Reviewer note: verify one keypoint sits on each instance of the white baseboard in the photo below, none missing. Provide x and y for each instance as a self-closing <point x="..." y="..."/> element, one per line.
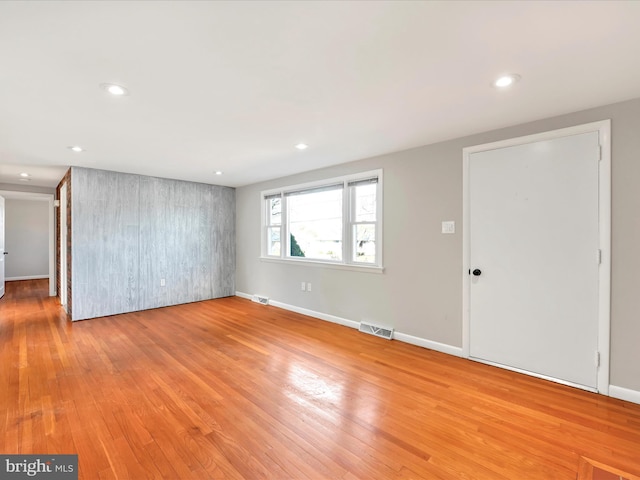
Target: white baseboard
<point x="430" y="344"/>
<point x="28" y="277"/>
<point x="624" y="394"/>
<point x="307" y="312"/>
<point x="314" y="314"/>
<point x="402" y="337"/>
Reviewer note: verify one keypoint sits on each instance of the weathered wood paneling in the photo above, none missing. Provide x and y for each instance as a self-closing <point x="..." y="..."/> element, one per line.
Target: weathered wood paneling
<point x="223" y="242"/>
<point x="179" y="232"/>
<point x="105" y="247"/>
<point x="175" y="220"/>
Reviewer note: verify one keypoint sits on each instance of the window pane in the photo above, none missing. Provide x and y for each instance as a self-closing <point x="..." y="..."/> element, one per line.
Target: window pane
<point x="274" y="211"/>
<point x="315" y="223"/>
<point x="364" y="250"/>
<point x="365" y="203"/>
<point x="273" y="241"/>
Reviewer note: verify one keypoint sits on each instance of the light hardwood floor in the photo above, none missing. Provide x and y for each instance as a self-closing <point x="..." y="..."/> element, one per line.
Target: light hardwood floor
<point x="229" y="389"/>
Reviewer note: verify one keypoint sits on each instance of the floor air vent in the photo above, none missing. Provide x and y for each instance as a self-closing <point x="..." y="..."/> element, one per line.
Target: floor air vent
<point x="382" y="332"/>
<point x="260" y="299"/>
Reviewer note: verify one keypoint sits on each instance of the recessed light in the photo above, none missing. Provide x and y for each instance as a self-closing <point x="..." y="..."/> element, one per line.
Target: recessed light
<point x="302" y="146"/>
<point x="25" y="179"/>
<point x="76" y="148"/>
<point x="218" y="172"/>
<point x="505" y="81"/>
<point x="25" y="175"/>
<point x="115" y="90"/>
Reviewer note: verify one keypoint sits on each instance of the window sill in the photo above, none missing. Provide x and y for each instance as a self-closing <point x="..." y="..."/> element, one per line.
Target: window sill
<point x="316" y="263"/>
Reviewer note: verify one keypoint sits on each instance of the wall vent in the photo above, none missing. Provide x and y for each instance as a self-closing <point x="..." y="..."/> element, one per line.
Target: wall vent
<point x="260" y="299"/>
<point x="383" y="332"/>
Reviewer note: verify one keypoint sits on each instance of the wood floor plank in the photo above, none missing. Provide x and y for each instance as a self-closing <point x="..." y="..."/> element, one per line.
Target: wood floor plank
<point x="232" y="390"/>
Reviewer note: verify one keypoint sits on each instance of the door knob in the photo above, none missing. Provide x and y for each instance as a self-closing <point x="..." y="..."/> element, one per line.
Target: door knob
<point x="477" y="272"/>
<point x="5" y="253"/>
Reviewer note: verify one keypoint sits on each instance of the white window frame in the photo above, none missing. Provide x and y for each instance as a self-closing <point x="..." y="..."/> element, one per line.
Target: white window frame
<point x="348" y="223"/>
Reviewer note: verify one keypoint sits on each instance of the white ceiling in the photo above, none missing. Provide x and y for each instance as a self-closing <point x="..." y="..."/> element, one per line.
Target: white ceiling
<point x="233" y="86"/>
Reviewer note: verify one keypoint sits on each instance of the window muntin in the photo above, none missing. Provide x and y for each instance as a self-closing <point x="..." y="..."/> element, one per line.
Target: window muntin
<point x="337" y="221"/>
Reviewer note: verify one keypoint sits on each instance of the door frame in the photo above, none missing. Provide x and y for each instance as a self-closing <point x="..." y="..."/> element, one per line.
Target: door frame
<point x="604" y="212"/>
<point x="62" y="226"/>
<point x="3" y="245"/>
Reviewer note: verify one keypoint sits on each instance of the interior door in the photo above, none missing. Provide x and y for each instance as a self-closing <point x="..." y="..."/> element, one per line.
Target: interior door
<point x="2" y="252"/>
<point x="533" y="256"/>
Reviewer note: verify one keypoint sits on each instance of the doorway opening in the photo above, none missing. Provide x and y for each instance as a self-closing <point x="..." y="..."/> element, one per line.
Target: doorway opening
<point x="49" y="199"/>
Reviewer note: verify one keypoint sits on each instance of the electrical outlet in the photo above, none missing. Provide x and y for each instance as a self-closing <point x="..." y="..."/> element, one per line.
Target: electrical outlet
<point x="162" y="282"/>
<point x="303" y="286"/>
<point x="309" y="287"/>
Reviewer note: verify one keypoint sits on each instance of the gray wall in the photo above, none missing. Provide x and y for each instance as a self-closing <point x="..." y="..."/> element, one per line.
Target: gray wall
<point x="131" y="231"/>
<point x="187" y="230"/>
<point x="26" y="239"/>
<point x="420" y="292"/>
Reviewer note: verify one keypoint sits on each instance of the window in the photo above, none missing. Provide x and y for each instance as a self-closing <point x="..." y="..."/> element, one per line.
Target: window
<point x="334" y="221"/>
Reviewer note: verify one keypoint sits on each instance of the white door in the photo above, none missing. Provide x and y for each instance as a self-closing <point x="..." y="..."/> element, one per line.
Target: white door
<point x="534" y="257"/>
<point x="2" y="252"/>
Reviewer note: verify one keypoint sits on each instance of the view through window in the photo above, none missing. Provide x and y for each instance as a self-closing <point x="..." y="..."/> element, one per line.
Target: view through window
<point x="336" y="221"/>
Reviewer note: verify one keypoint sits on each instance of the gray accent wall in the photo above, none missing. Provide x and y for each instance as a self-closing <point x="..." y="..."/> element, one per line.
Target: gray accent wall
<point x="420" y="291"/>
<point x="181" y="227"/>
<point x="129" y="232"/>
<point x="104" y="242"/>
